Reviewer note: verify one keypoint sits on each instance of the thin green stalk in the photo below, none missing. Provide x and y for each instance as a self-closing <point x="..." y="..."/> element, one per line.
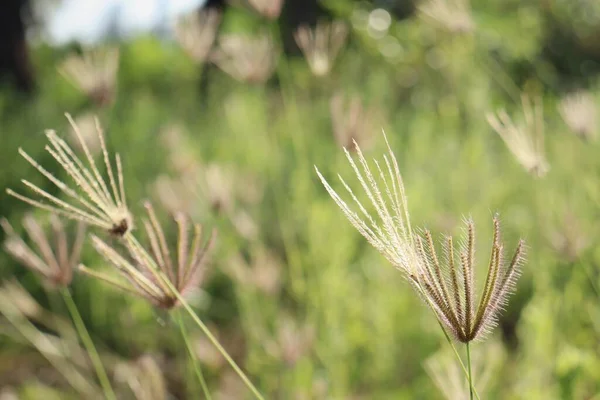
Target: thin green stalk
<point x="197" y="368"/>
<point x="458" y="358"/>
<point x="89" y="345"/>
<point x="470" y="373"/>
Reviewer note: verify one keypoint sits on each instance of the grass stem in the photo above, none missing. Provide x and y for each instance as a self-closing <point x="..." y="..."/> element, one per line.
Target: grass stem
<point x="89" y="345"/>
<point x="470" y="373"/>
<point x="197" y="368"/>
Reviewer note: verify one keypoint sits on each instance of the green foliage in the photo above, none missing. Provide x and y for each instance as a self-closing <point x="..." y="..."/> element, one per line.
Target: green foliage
<point x="371" y="334"/>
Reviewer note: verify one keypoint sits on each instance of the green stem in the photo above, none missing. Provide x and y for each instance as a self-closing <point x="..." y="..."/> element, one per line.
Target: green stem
<point x="89" y="345"/>
<point x="458" y="358"/>
<point x="470" y="373"/>
<point x="197" y="368"/>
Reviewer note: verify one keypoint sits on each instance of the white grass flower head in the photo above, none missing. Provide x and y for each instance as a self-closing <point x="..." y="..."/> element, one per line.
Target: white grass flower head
<point x="578" y="110"/>
<point x="526" y="139"/>
<point x="94" y="72"/>
<point x="453" y="16"/>
<point x="350" y="120"/>
<point x="390" y="232"/>
<point x="144" y="378"/>
<point x="53" y="260"/>
<point x="270" y="9"/>
<point x="246" y="59"/>
<point x="196" y="33"/>
<point x="92" y="201"/>
<point x="321" y="44"/>
<point x="144" y="271"/>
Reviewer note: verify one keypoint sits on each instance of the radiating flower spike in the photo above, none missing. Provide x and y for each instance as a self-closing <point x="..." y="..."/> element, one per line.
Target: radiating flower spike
<point x="321" y="45"/>
<point x="145" y="269"/>
<point x="524" y="140"/>
<point x="93" y="201"/>
<point x="450" y="289"/>
<point x="578" y="110"/>
<point x="53" y="260"/>
<point x="196" y="33"/>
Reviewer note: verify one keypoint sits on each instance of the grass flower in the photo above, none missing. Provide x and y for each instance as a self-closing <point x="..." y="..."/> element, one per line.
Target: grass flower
<point x="144" y="378"/>
<point x="292" y="341"/>
<point x="263" y="272"/>
<point x="246" y="59"/>
<point x="94" y="73"/>
<point x="142" y="268"/>
<point x="321" y="45"/>
<point x="452" y="15"/>
<point x="525" y="140"/>
<point x="92" y="202"/>
<point x="270" y="9"/>
<point x="86" y="127"/>
<point x="450" y="288"/>
<point x="392" y="236"/>
<point x="578" y="110"/>
<point x="350" y="121"/>
<point x="196" y="33"/>
<point x="54" y="262"/>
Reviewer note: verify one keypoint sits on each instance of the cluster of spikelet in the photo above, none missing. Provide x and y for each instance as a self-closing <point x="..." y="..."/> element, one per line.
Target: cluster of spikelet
<point x="447" y="287"/>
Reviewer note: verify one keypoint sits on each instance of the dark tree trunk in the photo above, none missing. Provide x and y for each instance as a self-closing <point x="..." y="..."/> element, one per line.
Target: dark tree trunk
<point x="15" y="65"/>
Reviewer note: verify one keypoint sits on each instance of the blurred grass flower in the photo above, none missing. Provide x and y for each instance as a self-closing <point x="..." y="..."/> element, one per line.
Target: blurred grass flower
<point x="54" y="262"/>
<point x="102" y="208"/>
<point x="321" y="44"/>
<point x="578" y="110"/>
<point x="350" y="121"/>
<point x="292" y="341"/>
<point x="453" y="16"/>
<point x="94" y="73"/>
<point x="263" y="272"/>
<point x="196" y="33"/>
<point x="246" y="59"/>
<point x="144" y="378"/>
<point x="526" y="139"/>
<point x="270" y="9"/>
<point x="142" y="270"/>
<point x="86" y="127"/>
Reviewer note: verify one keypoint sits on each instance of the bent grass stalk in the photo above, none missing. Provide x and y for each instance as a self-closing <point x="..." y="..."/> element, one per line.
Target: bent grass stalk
<point x="193" y="361"/>
<point x="89" y="345"/>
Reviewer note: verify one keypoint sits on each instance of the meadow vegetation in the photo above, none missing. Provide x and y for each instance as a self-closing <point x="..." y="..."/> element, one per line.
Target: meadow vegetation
<point x="490" y="108"/>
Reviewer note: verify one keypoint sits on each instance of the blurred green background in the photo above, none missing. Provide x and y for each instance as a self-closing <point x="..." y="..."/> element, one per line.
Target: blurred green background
<point x="294" y="293"/>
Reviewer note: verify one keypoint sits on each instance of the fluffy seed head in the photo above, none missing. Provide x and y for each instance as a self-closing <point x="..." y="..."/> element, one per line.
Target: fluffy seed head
<point x="196" y="33"/>
<point x="578" y="110"/>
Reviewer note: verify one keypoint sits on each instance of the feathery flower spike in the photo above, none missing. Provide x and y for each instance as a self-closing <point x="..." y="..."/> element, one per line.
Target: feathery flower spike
<point x="267" y="8"/>
<point x="92" y="202"/>
<point x="143" y="268"/>
<point x="94" y="73"/>
<point x="392" y="234"/>
<point x="526" y="140"/>
<point x="350" y="121"/>
<point x="53" y="262"/>
<point x="578" y="110"/>
<point x="246" y="59"/>
<point x="196" y="33"/>
<point x="451" y="15"/>
<point x="449" y="285"/>
<point x="321" y="45"/>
